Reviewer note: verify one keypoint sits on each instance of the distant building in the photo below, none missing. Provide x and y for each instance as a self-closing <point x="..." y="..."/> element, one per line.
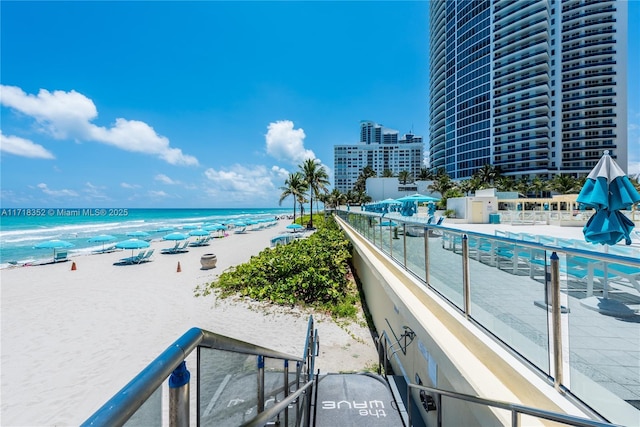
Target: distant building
<point x="536" y="87"/>
<point x="379" y="148"/>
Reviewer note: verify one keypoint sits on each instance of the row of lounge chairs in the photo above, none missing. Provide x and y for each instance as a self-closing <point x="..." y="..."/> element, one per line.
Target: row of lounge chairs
<point x="143" y="256"/>
<point x="201" y="242"/>
<point x="177" y="249"/>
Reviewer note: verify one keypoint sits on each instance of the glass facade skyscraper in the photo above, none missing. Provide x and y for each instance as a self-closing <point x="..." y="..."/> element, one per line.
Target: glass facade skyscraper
<point x="536" y="87"/>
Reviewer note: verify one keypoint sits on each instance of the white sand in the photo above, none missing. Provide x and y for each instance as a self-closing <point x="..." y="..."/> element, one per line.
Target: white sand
<point x="71" y="339"/>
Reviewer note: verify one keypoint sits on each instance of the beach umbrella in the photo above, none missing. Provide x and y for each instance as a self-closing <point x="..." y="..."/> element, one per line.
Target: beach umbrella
<point x="199" y="232"/>
<point x="164" y="229"/>
<point x="102" y="238"/>
<point x="190" y="227"/>
<point x="54" y="244"/>
<point x="294" y="227"/>
<point x="175" y="236"/>
<point x="418" y="198"/>
<point x="608" y="190"/>
<point x="132" y="244"/>
<point x="137" y="234"/>
<point x="214" y="227"/>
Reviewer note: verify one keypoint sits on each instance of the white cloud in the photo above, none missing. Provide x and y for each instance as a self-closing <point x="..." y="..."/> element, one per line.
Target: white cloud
<point x="68" y="115"/>
<point x="253" y="181"/>
<point x="56" y="193"/>
<point x="158" y="194"/>
<point x="165" y="179"/>
<point x="286" y="143"/>
<point x="95" y="192"/>
<point x="23" y="147"/>
<point x="129" y="186"/>
<point x="281" y="173"/>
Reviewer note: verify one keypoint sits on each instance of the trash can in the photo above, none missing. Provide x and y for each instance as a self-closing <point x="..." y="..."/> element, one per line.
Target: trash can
<point x="494" y="218"/>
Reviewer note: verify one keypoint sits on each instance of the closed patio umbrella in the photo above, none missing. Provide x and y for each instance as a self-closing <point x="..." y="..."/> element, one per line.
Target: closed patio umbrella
<point x="608" y="190"/>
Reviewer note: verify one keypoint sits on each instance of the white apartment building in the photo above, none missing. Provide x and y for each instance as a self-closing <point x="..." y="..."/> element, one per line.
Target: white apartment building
<point x="379" y="148"/>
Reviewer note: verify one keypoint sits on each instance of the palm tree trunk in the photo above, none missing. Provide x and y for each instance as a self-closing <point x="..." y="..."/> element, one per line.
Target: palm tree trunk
<point x="311" y="208"/>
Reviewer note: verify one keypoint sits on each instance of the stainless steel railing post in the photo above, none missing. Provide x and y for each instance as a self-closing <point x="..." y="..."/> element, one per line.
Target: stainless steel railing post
<point x="466" y="287"/>
<point x="260" y="384"/>
<point x="404" y="243"/>
<point x="556" y="320"/>
<point x="179" y="396"/>
<point x="426" y="255"/>
<point x="286" y="391"/>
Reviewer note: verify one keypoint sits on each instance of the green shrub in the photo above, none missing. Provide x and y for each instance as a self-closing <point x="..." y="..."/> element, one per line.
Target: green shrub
<point x="308" y="272"/>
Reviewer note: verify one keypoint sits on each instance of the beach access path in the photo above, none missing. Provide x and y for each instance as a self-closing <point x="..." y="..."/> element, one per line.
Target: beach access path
<point x="73" y="338"/>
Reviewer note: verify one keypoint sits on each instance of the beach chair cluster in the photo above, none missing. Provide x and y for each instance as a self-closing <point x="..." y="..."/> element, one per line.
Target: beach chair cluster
<point x="143" y="256"/>
<point x="178" y="248"/>
<point x="201" y="242"/>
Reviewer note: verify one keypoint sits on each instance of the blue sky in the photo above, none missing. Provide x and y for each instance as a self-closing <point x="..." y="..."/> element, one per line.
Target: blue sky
<point x="204" y="104"/>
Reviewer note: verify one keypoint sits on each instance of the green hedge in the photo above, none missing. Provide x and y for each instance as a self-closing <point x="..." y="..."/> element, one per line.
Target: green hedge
<point x="309" y="272"/>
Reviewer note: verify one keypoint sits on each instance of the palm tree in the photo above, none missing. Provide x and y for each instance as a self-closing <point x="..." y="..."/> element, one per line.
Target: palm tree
<point x="523" y="185"/>
<point x="333" y="199"/>
<point x="361" y="182"/>
<point x="293" y="186"/>
<point x="441" y="183"/>
<point x="404" y="177"/>
<point x="505" y="183"/>
<point x="487" y="174"/>
<point x="387" y="173"/>
<point x="538" y="186"/>
<point x="425" y="175"/>
<point x="564" y="184"/>
<point x="317" y="180"/>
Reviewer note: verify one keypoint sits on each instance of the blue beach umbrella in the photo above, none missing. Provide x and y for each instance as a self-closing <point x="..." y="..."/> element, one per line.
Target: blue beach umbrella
<point x="132" y="244"/>
<point x="608" y="190"/>
<point x="137" y="234"/>
<point x="102" y="238"/>
<point x="214" y="227"/>
<point x="54" y="244"/>
<point x="164" y="229"/>
<point x="190" y="227"/>
<point x="294" y="227"/>
<point x="199" y="232"/>
<point x="175" y="236"/>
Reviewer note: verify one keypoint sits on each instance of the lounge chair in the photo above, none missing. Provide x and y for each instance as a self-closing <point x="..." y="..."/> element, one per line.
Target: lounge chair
<point x="132" y="259"/>
<point x="60" y="257"/>
<point x="201" y="242"/>
<point x="146" y="257"/>
<point x="177" y="249"/>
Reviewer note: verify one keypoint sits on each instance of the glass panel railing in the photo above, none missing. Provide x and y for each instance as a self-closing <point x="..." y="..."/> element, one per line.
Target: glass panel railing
<point x="227" y="387"/>
<point x="414" y="240"/>
<point x="603" y="335"/>
<point x="510" y="296"/>
<point x="510" y="301"/>
<point x="445" y="266"/>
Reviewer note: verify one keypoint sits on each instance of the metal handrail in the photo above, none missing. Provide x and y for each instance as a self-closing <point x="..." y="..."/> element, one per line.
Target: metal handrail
<point x="117" y="410"/>
<point x="515" y="408"/>
<point x="262" y="418"/>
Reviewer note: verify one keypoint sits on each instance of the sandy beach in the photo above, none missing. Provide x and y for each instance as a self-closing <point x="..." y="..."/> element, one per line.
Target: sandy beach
<point x="71" y="339"/>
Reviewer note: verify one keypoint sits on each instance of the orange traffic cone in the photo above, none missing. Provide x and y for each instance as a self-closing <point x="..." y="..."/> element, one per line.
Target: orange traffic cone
<point x="73" y="266"/>
<point x="179" y="269"/>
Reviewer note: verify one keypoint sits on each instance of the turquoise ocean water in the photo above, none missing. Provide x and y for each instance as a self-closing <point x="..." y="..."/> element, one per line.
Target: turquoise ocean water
<point x="22" y="229"/>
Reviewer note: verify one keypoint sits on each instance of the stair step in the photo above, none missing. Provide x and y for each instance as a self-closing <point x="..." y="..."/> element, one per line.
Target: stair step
<point x="355" y="400"/>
